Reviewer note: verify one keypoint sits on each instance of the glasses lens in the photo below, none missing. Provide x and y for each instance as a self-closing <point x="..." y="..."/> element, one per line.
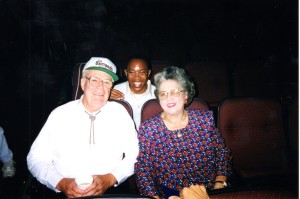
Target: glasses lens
<point x="94" y="81"/>
<point x="139" y="73"/>
<point x="107" y="83"/>
<point x="173" y="93"/>
<point x="163" y="95"/>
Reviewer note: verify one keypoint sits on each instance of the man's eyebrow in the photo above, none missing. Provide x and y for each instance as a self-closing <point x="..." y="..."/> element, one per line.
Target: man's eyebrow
<point x="137" y="70"/>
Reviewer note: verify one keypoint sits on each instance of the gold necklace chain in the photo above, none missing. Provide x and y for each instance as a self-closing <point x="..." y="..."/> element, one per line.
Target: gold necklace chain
<point x="175" y="125"/>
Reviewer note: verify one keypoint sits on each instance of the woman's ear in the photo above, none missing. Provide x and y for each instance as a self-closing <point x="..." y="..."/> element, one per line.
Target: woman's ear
<point x="186" y="97"/>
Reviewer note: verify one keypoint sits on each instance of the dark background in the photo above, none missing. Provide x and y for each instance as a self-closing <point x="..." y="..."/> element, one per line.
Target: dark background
<point x="42" y="41"/>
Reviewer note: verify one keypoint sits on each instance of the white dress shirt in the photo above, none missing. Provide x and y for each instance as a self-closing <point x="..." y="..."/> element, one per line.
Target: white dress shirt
<point x="136" y="100"/>
<point x="66" y="147"/>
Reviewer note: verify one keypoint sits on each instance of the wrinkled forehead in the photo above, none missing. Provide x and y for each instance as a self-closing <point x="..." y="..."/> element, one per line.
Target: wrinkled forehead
<point x="96" y="73"/>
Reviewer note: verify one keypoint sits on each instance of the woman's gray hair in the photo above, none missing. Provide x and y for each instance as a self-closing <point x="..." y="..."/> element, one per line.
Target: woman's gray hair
<point x="179" y="75"/>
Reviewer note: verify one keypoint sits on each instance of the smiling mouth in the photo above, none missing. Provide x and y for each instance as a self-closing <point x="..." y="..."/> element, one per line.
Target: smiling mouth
<point x="170" y="105"/>
<point x="137" y="84"/>
<point x="98" y="94"/>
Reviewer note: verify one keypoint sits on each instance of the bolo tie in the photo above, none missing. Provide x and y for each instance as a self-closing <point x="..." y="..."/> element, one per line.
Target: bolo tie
<point x="92" y="130"/>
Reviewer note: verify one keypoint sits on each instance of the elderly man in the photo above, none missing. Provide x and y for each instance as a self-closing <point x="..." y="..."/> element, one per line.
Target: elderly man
<point x="87" y="137"/>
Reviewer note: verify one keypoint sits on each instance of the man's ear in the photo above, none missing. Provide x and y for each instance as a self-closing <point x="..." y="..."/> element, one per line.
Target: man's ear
<point x="82" y="83"/>
<point x="149" y="73"/>
<point x="125" y="71"/>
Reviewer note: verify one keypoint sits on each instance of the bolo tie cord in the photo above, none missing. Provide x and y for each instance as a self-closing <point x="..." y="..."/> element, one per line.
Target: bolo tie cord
<point x="92" y="130"/>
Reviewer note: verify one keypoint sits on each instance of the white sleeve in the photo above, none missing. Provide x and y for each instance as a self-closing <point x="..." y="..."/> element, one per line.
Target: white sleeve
<point x="39" y="158"/>
<point x="130" y="147"/>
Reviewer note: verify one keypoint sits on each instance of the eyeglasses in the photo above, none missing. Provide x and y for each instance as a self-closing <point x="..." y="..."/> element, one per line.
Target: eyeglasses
<point x="173" y="93"/>
<point x="139" y="73"/>
<point x="95" y="81"/>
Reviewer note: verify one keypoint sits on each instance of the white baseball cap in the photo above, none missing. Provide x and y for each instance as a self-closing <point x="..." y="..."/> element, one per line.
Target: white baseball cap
<point x="103" y="64"/>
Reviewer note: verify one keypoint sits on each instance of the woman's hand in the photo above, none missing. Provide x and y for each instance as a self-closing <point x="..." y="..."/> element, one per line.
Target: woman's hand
<point x="192" y="192"/>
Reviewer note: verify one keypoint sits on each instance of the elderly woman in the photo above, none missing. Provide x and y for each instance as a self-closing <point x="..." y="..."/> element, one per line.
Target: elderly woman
<point x="179" y="147"/>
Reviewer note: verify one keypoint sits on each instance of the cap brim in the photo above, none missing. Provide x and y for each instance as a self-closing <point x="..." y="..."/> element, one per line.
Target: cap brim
<point x="112" y="74"/>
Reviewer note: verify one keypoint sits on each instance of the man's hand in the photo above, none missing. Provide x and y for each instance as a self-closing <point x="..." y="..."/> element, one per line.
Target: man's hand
<point x="116" y="94"/>
<point x="100" y="184"/>
<point x="69" y="187"/>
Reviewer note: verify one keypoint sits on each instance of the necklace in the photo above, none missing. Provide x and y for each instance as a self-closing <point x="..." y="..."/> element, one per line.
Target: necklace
<point x="177" y="124"/>
<point x="179" y="134"/>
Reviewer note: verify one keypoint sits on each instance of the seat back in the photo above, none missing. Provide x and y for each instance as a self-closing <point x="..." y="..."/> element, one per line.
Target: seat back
<point x="152" y="107"/>
<point x="253" y="130"/>
<point x="158" y="66"/>
<point x="211" y="80"/>
<point x="77" y="74"/>
<point x="246" y="79"/>
<point x="126" y="105"/>
<point x="294" y="124"/>
<point x="77" y="91"/>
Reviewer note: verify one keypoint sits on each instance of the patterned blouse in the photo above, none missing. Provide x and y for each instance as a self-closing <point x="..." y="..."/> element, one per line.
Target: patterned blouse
<point x="175" y="159"/>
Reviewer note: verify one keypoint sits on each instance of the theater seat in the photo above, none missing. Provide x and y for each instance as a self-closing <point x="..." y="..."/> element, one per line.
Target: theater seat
<point x="152" y="107"/>
<point x="254" y="194"/>
<point x="211" y="80"/>
<point x="158" y="66"/>
<point x="253" y="130"/>
<point x="77" y="74"/>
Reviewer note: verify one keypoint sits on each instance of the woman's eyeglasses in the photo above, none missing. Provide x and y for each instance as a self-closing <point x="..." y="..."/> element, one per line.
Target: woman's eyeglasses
<point x="172" y="93"/>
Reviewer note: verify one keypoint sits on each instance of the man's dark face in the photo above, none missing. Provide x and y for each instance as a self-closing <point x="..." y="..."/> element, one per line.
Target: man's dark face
<point x="137" y="74"/>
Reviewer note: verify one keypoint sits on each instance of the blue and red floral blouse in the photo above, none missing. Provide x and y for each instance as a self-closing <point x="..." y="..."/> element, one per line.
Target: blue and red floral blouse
<point x="175" y="159"/>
